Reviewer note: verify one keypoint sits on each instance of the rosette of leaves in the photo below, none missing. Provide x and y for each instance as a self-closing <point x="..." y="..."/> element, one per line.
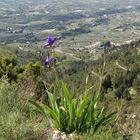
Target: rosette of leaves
<point x="71" y="114"/>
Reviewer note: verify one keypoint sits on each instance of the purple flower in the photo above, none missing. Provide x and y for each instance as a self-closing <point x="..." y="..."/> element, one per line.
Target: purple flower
<point x="50" y="41"/>
<point x="49" y="60"/>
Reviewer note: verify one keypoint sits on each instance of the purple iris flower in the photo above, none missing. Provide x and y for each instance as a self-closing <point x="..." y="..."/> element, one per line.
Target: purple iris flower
<point x="50" y="41"/>
<point x="49" y="60"/>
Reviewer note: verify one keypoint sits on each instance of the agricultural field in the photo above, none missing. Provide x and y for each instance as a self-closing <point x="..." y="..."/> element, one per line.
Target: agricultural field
<point x="75" y="23"/>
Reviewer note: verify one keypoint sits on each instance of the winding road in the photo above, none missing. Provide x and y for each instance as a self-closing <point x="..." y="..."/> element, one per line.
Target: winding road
<point x="67" y="54"/>
<point x="117" y="63"/>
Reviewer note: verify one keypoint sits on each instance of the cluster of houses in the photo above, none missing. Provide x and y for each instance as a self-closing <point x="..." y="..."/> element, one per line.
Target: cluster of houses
<point x="38" y="9"/>
<point x="99" y="48"/>
<point x="14" y="31"/>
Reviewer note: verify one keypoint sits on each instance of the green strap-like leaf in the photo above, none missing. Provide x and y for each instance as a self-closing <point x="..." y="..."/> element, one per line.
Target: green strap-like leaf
<point x="82" y="106"/>
<point x="104" y="121"/>
<point x="37" y="105"/>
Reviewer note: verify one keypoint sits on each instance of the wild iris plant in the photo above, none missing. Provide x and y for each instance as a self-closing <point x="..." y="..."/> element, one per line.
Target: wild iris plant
<point x="71" y="114"/>
<point x="50" y="58"/>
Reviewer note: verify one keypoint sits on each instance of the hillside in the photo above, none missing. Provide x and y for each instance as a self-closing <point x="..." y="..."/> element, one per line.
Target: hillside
<point x="120" y="86"/>
<point x="69" y="70"/>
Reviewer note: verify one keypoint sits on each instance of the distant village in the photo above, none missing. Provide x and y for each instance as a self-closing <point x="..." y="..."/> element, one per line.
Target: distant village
<point x="99" y="48"/>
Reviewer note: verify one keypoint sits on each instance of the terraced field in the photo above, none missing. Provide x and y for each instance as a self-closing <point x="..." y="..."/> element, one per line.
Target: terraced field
<point x="76" y="23"/>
